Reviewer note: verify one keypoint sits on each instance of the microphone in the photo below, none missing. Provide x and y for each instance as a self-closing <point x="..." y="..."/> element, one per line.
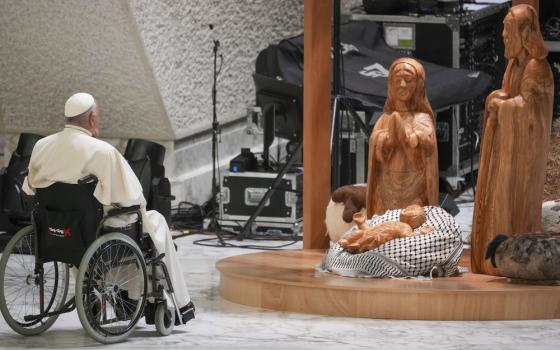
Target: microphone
<point x="216" y="42"/>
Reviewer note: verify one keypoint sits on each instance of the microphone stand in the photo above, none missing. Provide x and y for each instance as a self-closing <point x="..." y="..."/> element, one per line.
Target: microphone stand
<point x="215" y="132"/>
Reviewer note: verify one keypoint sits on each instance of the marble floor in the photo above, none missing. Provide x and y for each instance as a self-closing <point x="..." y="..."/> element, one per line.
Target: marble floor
<point x="224" y="325"/>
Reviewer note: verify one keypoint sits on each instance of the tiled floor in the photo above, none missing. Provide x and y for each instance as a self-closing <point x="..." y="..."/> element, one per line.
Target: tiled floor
<point x="224" y="325"/>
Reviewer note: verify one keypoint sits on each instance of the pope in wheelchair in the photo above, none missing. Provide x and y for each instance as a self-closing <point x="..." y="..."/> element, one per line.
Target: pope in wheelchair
<point x="90" y="215"/>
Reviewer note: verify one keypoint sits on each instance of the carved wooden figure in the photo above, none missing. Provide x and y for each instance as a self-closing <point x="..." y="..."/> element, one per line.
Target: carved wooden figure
<point x="516" y="139"/>
<point x="345" y="202"/>
<point x="526" y="257"/>
<point x="403" y="166"/>
<point x="413" y="215"/>
<point x="370" y="237"/>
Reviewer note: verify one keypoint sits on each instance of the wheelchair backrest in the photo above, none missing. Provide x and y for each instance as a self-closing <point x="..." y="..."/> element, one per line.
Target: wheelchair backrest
<point x="67" y="220"/>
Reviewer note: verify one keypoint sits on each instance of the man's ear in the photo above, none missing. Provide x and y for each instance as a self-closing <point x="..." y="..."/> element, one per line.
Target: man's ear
<point x="90" y="120"/>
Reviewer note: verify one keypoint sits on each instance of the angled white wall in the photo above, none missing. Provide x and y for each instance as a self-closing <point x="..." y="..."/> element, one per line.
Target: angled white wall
<point x="51" y="49"/>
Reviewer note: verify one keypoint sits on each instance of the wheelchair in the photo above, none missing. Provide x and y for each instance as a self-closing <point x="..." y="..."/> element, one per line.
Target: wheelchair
<point x="118" y="270"/>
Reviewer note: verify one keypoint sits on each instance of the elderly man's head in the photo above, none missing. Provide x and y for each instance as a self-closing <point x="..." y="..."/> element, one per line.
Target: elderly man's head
<point x="82" y="110"/>
<point x="522" y="33"/>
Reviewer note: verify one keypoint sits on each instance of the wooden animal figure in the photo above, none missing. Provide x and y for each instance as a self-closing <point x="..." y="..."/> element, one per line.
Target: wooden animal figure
<point x="531" y="257"/>
<point x="345" y="202"/>
<point x="516" y="139"/>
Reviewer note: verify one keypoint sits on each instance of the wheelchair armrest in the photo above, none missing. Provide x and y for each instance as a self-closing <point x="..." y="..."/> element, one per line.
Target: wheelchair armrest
<point x="87" y="179"/>
<point x="124" y="210"/>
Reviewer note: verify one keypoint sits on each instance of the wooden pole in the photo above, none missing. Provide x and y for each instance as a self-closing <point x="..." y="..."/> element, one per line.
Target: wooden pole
<point x="316" y="121"/>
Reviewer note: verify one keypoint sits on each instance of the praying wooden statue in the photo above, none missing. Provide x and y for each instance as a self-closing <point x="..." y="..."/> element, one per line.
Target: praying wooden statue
<point x="516" y="139"/>
<point x="403" y="165"/>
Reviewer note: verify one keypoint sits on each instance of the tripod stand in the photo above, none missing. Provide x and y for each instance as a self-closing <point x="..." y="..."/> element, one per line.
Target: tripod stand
<point x="213" y="201"/>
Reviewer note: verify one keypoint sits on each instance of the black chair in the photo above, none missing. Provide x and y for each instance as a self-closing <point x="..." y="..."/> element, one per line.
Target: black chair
<point x="16" y="205"/>
<point x="140" y="149"/>
<point x="146" y="160"/>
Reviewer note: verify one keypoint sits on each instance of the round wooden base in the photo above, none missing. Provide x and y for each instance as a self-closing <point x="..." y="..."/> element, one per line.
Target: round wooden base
<point x="287" y="281"/>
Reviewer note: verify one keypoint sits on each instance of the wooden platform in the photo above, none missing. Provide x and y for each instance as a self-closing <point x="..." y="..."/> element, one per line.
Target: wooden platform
<point x="287" y="281"/>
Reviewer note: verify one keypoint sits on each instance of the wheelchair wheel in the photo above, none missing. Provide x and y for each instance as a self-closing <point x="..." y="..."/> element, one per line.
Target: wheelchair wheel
<point x="20" y="286"/>
<point x="112" y="268"/>
<point x="164" y="319"/>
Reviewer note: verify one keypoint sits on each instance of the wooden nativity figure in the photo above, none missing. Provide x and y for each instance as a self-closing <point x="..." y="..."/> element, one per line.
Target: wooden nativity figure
<point x="403" y="165"/>
<point x="516" y="139"/>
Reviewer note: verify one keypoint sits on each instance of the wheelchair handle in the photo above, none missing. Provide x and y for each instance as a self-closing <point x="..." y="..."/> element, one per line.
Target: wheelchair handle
<point x="88" y="179"/>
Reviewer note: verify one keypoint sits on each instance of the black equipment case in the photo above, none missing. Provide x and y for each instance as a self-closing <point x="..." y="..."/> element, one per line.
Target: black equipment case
<point x="242" y="192"/>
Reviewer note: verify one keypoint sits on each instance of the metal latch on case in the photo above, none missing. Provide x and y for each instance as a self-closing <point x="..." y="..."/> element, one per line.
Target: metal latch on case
<point x="254" y="195"/>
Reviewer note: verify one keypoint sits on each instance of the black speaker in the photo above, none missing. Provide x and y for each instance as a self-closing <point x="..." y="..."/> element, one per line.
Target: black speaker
<point x="385" y="7"/>
<point x="16" y="203"/>
<point x="139" y="150"/>
<point x="161" y="197"/>
<point x="146" y="160"/>
<point x="422" y="6"/>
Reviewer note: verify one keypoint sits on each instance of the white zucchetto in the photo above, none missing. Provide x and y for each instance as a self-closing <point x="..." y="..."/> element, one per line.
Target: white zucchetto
<point x="77" y="104"/>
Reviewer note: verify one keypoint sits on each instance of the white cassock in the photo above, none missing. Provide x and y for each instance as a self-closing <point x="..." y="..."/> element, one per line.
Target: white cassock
<point x="72" y="154"/>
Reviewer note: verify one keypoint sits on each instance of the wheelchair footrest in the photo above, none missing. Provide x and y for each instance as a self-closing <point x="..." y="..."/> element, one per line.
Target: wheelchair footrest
<point x="186" y="313"/>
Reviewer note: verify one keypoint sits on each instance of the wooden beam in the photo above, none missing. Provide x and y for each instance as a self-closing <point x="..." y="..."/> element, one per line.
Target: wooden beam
<point x="316" y="121"/>
<point x="534" y="3"/>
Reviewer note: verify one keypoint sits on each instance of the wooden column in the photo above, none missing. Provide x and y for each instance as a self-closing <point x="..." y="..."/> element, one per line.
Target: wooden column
<point x="534" y="3"/>
<point x="316" y="121"/>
